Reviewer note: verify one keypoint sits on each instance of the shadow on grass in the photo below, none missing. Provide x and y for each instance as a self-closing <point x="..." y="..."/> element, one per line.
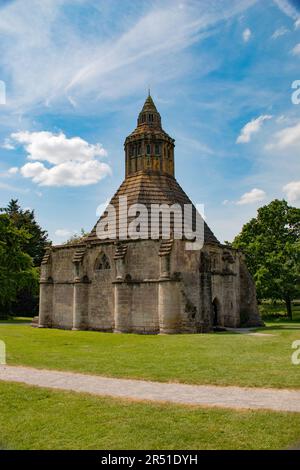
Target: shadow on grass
<point x="288" y="326"/>
<point x="16" y="320"/>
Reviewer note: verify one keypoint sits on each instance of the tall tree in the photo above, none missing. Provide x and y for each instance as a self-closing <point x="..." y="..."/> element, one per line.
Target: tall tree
<point x="16" y="267"/>
<point x="271" y="243"/>
<point x="26" y="301"/>
<point x="25" y="219"/>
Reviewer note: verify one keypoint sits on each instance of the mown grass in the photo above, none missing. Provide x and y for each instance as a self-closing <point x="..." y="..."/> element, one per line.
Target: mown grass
<point x="217" y="358"/>
<point x="33" y="418"/>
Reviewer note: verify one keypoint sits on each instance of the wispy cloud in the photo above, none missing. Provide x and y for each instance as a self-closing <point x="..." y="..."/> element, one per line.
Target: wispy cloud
<point x="251" y="128"/>
<point x="45" y="69"/>
<point x="15" y="189"/>
<point x="296" y="50"/>
<point x="282" y="31"/>
<point x="247" y="34"/>
<point x="286" y="139"/>
<point x="289" y="7"/>
<point x="253" y="196"/>
<point x="64" y="232"/>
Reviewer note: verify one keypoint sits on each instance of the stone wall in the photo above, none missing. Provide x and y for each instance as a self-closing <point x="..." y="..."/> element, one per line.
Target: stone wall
<point x="146" y="287"/>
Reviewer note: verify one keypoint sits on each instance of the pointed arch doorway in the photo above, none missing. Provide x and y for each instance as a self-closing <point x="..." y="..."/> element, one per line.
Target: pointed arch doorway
<point x="216" y="312"/>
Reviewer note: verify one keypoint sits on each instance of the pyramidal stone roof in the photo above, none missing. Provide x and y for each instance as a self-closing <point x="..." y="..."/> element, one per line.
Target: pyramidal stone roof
<point x="148" y="189"/>
<point x="149" y="185"/>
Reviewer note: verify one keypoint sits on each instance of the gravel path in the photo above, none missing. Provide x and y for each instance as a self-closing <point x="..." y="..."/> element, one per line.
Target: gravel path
<point x="206" y="395"/>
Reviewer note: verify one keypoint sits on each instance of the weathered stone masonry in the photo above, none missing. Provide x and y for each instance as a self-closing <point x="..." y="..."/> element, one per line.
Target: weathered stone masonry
<point x="146" y="286"/>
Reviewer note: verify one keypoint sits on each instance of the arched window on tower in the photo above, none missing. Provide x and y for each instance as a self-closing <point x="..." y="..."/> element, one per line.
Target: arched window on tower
<point x="148" y="149"/>
<point x="157" y="149"/>
<point x="102" y="262"/>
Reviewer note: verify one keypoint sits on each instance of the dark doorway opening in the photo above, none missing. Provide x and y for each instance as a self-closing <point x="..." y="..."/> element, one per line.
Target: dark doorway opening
<point x="216" y="312"/>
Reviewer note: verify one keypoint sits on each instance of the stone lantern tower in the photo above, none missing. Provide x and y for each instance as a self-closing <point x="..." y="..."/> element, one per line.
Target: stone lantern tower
<point x="149" y="147"/>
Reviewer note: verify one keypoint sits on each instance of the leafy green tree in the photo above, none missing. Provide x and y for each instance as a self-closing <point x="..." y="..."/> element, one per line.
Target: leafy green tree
<point x="16" y="267"/>
<point x="25" y="219"/>
<point x="26" y="301"/>
<point x="271" y="244"/>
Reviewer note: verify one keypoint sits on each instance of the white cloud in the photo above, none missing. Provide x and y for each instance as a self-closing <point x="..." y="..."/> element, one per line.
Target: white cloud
<point x="13" y="170"/>
<point x="287" y="138"/>
<point x="280" y="32"/>
<point x="70" y="162"/>
<point x="67" y="173"/>
<point x="247" y="34"/>
<point x="64" y="233"/>
<point x="296" y="49"/>
<point x="57" y="148"/>
<point x="297" y="23"/>
<point x="287" y="8"/>
<point x="251" y="128"/>
<point x="255" y="195"/>
<point x="292" y="191"/>
<point x="7" y="145"/>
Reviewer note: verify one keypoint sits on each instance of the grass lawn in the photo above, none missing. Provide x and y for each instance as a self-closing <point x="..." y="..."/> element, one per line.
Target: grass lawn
<point x="33" y="418"/>
<point x="218" y="358"/>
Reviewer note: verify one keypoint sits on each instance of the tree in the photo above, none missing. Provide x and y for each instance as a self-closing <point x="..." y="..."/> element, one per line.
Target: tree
<point x="25" y="219"/>
<point x="26" y="301"/>
<point x="271" y="244"/>
<point x="16" y="267"/>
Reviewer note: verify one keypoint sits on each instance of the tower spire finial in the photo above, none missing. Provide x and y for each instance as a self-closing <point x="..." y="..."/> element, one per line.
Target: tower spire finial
<point x="148" y="91"/>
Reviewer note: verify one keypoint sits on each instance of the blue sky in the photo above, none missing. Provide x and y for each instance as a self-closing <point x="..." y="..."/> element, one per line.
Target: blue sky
<point x="77" y="73"/>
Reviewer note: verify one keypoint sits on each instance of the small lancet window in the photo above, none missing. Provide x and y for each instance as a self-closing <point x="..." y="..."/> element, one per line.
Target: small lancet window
<point x="157" y="149"/>
<point x="148" y="149"/>
<point x="103" y="263"/>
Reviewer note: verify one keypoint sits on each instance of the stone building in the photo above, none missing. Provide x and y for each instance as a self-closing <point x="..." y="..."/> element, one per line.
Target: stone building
<point x="142" y="284"/>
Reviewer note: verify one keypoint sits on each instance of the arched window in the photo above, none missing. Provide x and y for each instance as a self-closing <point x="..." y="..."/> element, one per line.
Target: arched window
<point x="148" y="149"/>
<point x="102" y="262"/>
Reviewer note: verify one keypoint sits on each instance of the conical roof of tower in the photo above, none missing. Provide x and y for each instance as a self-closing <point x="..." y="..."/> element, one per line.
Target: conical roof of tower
<point x="149" y="105"/>
<point x="150" y="189"/>
<point x="144" y="126"/>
